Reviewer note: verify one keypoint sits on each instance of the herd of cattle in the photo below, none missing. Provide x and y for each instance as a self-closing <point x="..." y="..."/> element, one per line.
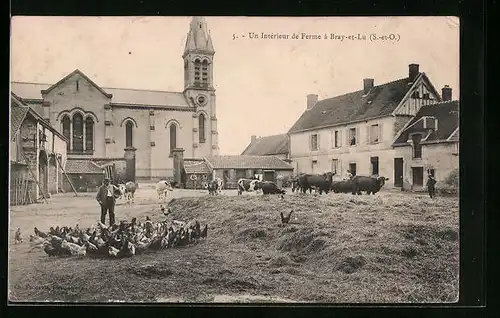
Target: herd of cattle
<point x="321" y="183"/>
<point x="303" y="182"/>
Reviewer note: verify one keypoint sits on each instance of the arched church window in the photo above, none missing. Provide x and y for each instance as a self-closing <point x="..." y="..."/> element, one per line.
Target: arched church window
<point x="66" y="128"/>
<point x="204" y="68"/>
<point x="78" y="132"/>
<point x="201" y="129"/>
<point x="173" y="137"/>
<point x="128" y="134"/>
<point x="197" y="66"/>
<point x="89" y="134"/>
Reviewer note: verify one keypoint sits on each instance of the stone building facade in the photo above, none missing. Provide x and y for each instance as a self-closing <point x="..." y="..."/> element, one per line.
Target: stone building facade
<point x="102" y="122"/>
<point x="356" y="131"/>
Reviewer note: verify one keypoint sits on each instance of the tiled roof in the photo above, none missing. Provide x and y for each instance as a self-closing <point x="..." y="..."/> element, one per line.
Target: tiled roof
<point x="247" y="162"/>
<point x="82" y="166"/>
<point x="196" y="167"/>
<point x="447" y="115"/>
<point x="17" y="114"/>
<point x="268" y="145"/>
<point x="120" y="95"/>
<point x="381" y="100"/>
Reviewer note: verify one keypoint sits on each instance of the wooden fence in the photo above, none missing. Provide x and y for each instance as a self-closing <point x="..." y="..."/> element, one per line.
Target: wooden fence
<point x="20" y="193"/>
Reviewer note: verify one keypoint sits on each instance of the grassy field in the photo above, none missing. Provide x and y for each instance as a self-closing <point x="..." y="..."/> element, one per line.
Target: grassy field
<point x="392" y="247"/>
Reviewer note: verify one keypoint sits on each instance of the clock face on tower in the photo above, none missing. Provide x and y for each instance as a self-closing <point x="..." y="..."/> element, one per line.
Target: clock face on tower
<point x="201" y="100"/>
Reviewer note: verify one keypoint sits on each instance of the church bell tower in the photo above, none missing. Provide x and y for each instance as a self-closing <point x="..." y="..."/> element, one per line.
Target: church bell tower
<point x="199" y="88"/>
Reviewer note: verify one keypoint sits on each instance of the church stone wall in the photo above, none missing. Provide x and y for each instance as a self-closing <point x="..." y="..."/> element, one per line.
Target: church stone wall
<point x="140" y="137"/>
<point x="67" y="96"/>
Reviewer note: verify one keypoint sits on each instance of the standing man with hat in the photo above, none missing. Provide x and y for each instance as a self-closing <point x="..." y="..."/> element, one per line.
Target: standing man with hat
<point x="106" y="198"/>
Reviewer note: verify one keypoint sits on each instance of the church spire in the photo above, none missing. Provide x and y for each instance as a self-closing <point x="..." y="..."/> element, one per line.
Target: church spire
<point x="198" y="37"/>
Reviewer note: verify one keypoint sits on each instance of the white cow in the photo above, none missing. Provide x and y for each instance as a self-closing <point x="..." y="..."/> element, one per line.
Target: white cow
<point x="162" y="189"/>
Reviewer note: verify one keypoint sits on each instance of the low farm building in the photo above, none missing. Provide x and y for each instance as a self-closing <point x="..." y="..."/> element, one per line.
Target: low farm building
<point x="232" y="168"/>
<point x="274" y="145"/>
<point x="37" y="155"/>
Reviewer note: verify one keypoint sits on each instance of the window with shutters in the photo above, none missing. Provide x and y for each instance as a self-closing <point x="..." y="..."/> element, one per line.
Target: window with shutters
<point x="197" y="71"/>
<point x="352" y="136"/>
<point x="204" y="78"/>
<point x="336" y="139"/>
<point x="335" y="166"/>
<point x="314" y="142"/>
<point x="374" y="134"/>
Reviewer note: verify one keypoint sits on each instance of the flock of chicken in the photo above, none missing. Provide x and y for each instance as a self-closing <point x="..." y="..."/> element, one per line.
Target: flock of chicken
<point x="123" y="240"/>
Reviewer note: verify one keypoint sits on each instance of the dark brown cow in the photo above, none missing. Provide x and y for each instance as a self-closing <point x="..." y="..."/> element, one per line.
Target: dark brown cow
<point x="368" y="184"/>
<point x="321" y="182"/>
<point x="269" y="187"/>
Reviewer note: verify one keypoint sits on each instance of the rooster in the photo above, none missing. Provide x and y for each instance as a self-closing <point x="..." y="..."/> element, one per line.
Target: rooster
<point x="203" y="233"/>
<point x="18" y="237"/>
<point x="285" y="219"/>
<point x="40" y="233"/>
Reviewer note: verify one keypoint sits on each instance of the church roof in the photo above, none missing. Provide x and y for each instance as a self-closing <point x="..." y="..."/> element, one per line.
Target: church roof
<point x="447" y="115"/>
<point x="77" y="71"/>
<point x="382" y="100"/>
<point x="82" y="166"/>
<point x="32" y="91"/>
<point x="247" y="162"/>
<point x="268" y="145"/>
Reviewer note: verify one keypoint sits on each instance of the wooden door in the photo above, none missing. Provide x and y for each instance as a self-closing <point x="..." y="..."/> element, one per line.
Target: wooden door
<point x="398" y="172"/>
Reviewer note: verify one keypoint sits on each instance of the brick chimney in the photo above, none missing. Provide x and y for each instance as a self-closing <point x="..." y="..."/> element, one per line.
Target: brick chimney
<point x="312" y="99"/>
<point x="254" y="138"/>
<point x="446" y="93"/>
<point x="413" y="71"/>
<point x="367" y="85"/>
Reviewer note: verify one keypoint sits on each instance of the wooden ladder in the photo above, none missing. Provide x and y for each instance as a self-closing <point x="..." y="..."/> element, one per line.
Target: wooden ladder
<point x="67" y="177"/>
<point x="34" y="177"/>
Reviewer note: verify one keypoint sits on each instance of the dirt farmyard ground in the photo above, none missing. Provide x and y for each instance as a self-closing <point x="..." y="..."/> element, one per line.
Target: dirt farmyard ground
<point x="391" y="247"/>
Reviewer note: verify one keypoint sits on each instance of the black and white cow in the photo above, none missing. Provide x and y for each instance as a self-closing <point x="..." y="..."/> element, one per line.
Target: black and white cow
<point x="248" y="185"/>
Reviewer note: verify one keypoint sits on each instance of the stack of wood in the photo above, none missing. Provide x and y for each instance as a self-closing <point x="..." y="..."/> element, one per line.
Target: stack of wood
<point x="20" y="192"/>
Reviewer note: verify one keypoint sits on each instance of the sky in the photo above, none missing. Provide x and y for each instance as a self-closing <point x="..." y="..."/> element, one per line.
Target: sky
<point x="261" y="84"/>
